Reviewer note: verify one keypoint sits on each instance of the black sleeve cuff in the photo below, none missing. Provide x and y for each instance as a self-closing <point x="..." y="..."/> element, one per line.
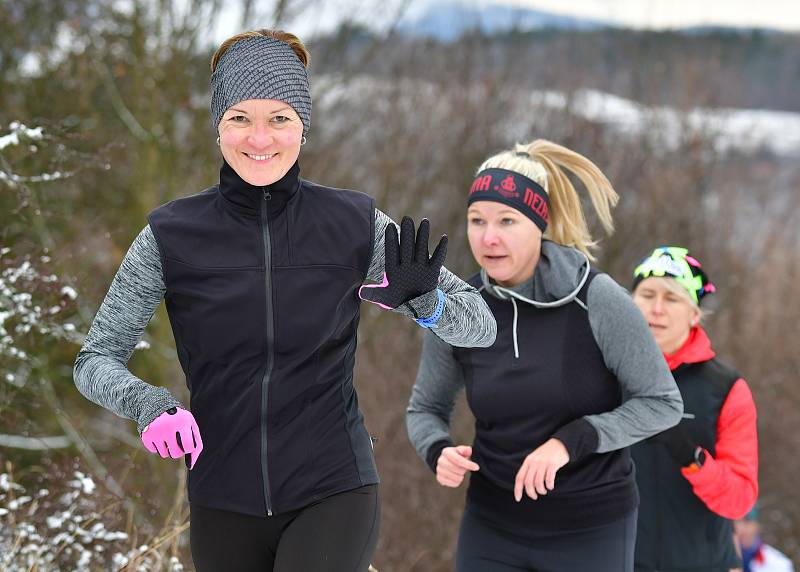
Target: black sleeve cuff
<point x="579" y="437"/>
<point x="434" y="451"/>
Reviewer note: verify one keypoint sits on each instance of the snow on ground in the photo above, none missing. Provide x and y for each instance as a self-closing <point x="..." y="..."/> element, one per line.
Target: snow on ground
<point x="745" y="130"/>
<point x="741" y="130"/>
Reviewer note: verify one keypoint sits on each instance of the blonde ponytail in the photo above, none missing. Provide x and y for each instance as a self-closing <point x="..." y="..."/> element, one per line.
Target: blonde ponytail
<point x="544" y="162"/>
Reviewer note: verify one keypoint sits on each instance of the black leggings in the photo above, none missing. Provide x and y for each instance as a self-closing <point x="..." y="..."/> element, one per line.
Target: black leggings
<point x="336" y="534"/>
<point x="485" y="548"/>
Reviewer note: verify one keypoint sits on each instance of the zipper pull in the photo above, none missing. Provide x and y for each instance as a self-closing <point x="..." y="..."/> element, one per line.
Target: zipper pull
<point x="267" y="195"/>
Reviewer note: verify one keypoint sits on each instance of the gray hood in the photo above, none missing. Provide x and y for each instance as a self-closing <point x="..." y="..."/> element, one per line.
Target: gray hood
<point x="560" y="274"/>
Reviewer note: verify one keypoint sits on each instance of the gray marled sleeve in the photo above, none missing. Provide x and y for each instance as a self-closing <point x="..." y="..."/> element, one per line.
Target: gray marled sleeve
<point x="101" y="372"/>
<point x="651" y="401"/>
<point x="439" y="380"/>
<point x="466" y="320"/>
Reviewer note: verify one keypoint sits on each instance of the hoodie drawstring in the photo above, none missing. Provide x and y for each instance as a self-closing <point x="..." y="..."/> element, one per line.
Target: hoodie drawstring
<point x="509" y="294"/>
<point x="516" y="345"/>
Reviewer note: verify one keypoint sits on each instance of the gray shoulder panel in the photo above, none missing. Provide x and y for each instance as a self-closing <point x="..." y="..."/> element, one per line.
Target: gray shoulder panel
<point x="651" y="401"/>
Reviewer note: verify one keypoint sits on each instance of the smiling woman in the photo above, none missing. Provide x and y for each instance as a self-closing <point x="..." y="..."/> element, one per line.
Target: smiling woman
<point x="260" y="139"/>
<point x="262" y="274"/>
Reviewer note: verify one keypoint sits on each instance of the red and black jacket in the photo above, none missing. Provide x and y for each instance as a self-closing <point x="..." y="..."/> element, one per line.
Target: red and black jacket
<point x="684" y="516"/>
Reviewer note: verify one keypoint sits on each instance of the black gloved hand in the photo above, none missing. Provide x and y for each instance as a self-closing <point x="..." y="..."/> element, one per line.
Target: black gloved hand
<point x="678" y="443"/>
<point x="409" y="272"/>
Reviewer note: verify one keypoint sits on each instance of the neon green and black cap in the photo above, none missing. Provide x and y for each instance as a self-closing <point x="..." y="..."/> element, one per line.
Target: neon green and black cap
<point x="675" y="262"/>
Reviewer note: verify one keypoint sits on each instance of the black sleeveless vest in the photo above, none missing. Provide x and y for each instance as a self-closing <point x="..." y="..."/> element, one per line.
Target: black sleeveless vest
<point x="262" y="295"/>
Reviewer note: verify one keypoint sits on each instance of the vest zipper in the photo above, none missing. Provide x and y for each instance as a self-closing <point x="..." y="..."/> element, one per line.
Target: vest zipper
<point x="270" y="346"/>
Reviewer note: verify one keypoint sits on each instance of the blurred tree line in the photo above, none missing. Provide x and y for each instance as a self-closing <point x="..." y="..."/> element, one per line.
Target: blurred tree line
<point x="110" y="101"/>
<point x="714" y="67"/>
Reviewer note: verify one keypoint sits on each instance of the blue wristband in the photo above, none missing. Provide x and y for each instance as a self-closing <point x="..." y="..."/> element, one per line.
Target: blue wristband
<point x="430" y="321"/>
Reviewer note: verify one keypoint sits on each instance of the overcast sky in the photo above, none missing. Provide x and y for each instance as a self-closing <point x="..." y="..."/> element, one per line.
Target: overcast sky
<point x="324" y="15"/>
<point x="780" y="14"/>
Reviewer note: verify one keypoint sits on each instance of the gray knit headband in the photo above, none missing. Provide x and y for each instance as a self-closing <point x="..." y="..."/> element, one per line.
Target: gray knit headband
<point x="260" y="68"/>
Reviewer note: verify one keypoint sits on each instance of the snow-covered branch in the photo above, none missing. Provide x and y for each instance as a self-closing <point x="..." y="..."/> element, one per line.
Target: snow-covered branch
<point x="64" y="530"/>
<point x="34" y="443"/>
<point x="31" y="300"/>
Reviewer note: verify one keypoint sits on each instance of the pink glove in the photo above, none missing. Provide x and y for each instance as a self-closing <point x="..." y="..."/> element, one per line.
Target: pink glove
<point x="174" y="434"/>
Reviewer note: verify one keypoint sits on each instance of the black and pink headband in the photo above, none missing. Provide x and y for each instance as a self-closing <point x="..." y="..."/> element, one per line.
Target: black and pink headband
<point x="514" y="190"/>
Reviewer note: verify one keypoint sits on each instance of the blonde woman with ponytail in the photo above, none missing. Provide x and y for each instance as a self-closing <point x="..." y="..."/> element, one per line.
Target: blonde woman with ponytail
<point x="573" y="379"/>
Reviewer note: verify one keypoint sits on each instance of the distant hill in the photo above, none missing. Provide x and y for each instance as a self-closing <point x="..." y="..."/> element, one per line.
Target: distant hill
<point x="448" y="21"/>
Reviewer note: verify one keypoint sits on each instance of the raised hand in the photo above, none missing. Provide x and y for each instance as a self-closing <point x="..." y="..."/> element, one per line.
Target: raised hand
<point x="409" y="271"/>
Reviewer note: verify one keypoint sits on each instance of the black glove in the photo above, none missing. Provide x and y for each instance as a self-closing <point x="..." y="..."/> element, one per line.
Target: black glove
<point x="678" y="443"/>
<point x="409" y="272"/>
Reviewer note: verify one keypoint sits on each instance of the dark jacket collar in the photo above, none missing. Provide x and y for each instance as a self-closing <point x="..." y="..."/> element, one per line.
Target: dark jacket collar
<point x="247" y="198"/>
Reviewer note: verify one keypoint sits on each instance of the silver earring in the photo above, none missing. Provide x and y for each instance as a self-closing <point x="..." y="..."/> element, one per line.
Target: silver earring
<point x="303" y="140"/>
<point x="217" y="141"/>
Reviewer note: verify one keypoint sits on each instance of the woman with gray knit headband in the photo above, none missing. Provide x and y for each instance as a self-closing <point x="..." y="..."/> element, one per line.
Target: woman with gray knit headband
<point x="574" y="378"/>
<point x="262" y="275"/>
